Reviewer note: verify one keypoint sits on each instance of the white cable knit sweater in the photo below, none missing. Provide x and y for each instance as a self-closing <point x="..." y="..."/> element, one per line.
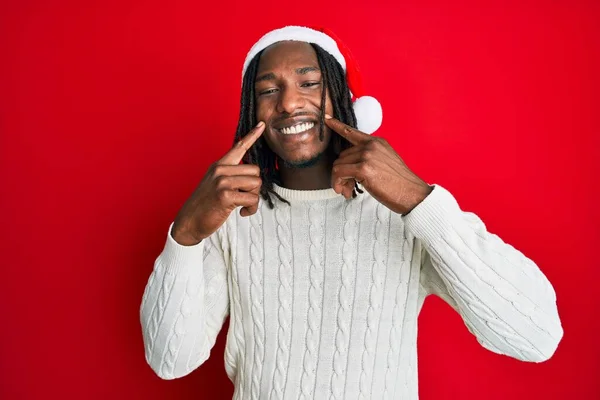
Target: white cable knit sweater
<point x="323" y="296"/>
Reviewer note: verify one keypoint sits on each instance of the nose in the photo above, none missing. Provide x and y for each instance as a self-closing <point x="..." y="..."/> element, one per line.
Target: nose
<point x="290" y="100"/>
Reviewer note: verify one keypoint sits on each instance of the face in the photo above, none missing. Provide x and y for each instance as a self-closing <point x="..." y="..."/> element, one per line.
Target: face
<point x="288" y="91"/>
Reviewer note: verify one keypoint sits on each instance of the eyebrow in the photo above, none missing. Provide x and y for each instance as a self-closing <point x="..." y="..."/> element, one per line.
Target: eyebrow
<point x="266" y="77"/>
<point x="271" y="76"/>
<point x="306" y="70"/>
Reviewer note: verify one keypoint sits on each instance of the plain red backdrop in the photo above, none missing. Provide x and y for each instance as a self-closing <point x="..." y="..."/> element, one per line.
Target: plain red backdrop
<point x="110" y="112"/>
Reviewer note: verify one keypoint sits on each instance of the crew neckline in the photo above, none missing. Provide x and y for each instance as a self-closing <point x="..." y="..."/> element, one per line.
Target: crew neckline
<point x="305" y="195"/>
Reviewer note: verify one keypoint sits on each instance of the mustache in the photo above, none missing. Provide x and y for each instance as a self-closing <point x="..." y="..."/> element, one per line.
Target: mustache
<point x="318" y="116"/>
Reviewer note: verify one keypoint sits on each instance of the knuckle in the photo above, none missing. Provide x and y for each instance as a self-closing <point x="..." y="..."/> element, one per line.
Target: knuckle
<point x="221" y="182"/>
<point x="211" y="171"/>
<point x="250" y="199"/>
<point x="364" y="168"/>
<point x="224" y="196"/>
<point x="218" y="170"/>
<point x="381" y="143"/>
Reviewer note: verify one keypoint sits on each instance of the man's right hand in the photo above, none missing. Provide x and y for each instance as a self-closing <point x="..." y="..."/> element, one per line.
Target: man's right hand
<point x="226" y="185"/>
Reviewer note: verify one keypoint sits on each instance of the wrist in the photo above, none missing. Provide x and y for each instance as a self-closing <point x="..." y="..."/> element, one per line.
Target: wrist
<point x="183" y="236"/>
<point x="420" y="196"/>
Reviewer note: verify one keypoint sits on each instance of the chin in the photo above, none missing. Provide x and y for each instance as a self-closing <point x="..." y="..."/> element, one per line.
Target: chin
<point x="302" y="162"/>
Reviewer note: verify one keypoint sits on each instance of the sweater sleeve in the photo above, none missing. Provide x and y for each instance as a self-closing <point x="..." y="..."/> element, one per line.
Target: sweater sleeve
<point x="184" y="306"/>
<point x="502" y="296"/>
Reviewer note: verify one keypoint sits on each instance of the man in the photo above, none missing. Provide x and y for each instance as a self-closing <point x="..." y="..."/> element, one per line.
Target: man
<point x="322" y="246"/>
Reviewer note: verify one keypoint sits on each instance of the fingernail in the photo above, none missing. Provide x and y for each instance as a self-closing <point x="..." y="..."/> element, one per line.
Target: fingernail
<point x="327" y="116"/>
<point x="260" y="124"/>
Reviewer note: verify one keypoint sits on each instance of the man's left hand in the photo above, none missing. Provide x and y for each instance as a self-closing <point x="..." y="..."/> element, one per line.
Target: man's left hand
<point x="373" y="163"/>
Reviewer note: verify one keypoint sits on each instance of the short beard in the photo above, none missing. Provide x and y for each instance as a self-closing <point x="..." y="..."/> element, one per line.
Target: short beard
<point x="303" y="163"/>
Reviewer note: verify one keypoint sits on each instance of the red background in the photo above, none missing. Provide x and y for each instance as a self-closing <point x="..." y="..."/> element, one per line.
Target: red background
<point x="111" y="112"/>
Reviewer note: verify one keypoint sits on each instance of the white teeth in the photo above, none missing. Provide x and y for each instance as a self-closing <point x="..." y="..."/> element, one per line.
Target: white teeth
<point x="299" y="128"/>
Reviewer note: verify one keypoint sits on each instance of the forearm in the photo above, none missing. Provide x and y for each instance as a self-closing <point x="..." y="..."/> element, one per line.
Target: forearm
<point x="502" y="295"/>
<point x="182" y="311"/>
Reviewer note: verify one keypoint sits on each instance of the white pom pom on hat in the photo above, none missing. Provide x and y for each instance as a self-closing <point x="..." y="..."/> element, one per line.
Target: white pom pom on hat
<point x="369" y="114"/>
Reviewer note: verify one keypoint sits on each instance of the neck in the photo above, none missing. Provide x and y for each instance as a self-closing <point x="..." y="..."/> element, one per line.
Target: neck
<point x="315" y="177"/>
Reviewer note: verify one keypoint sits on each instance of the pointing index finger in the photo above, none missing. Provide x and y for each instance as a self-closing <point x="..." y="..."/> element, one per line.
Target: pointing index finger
<point x="235" y="155"/>
<point x="353" y="135"/>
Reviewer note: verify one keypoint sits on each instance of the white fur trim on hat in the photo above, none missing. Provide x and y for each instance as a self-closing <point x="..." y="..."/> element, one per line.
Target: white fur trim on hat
<point x="297" y="33"/>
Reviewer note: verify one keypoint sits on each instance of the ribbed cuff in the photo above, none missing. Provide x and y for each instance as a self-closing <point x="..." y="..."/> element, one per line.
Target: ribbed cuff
<point x="434" y="217"/>
<point x="176" y="257"/>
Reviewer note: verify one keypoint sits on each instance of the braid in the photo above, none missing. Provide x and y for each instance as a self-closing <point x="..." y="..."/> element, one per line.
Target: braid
<point x="334" y="79"/>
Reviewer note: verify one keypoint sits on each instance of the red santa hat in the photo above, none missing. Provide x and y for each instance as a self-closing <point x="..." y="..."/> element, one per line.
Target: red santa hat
<point x="367" y="109"/>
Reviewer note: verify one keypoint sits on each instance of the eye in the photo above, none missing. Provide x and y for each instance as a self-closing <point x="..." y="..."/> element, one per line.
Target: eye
<point x="266" y="92"/>
<point x="310" y="84"/>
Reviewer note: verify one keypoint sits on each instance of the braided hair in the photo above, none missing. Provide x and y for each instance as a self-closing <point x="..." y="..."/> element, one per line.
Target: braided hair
<point x="334" y="79"/>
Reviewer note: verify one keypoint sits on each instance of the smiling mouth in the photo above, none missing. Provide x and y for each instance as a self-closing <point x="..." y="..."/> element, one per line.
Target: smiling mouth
<point x="297" y="128"/>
